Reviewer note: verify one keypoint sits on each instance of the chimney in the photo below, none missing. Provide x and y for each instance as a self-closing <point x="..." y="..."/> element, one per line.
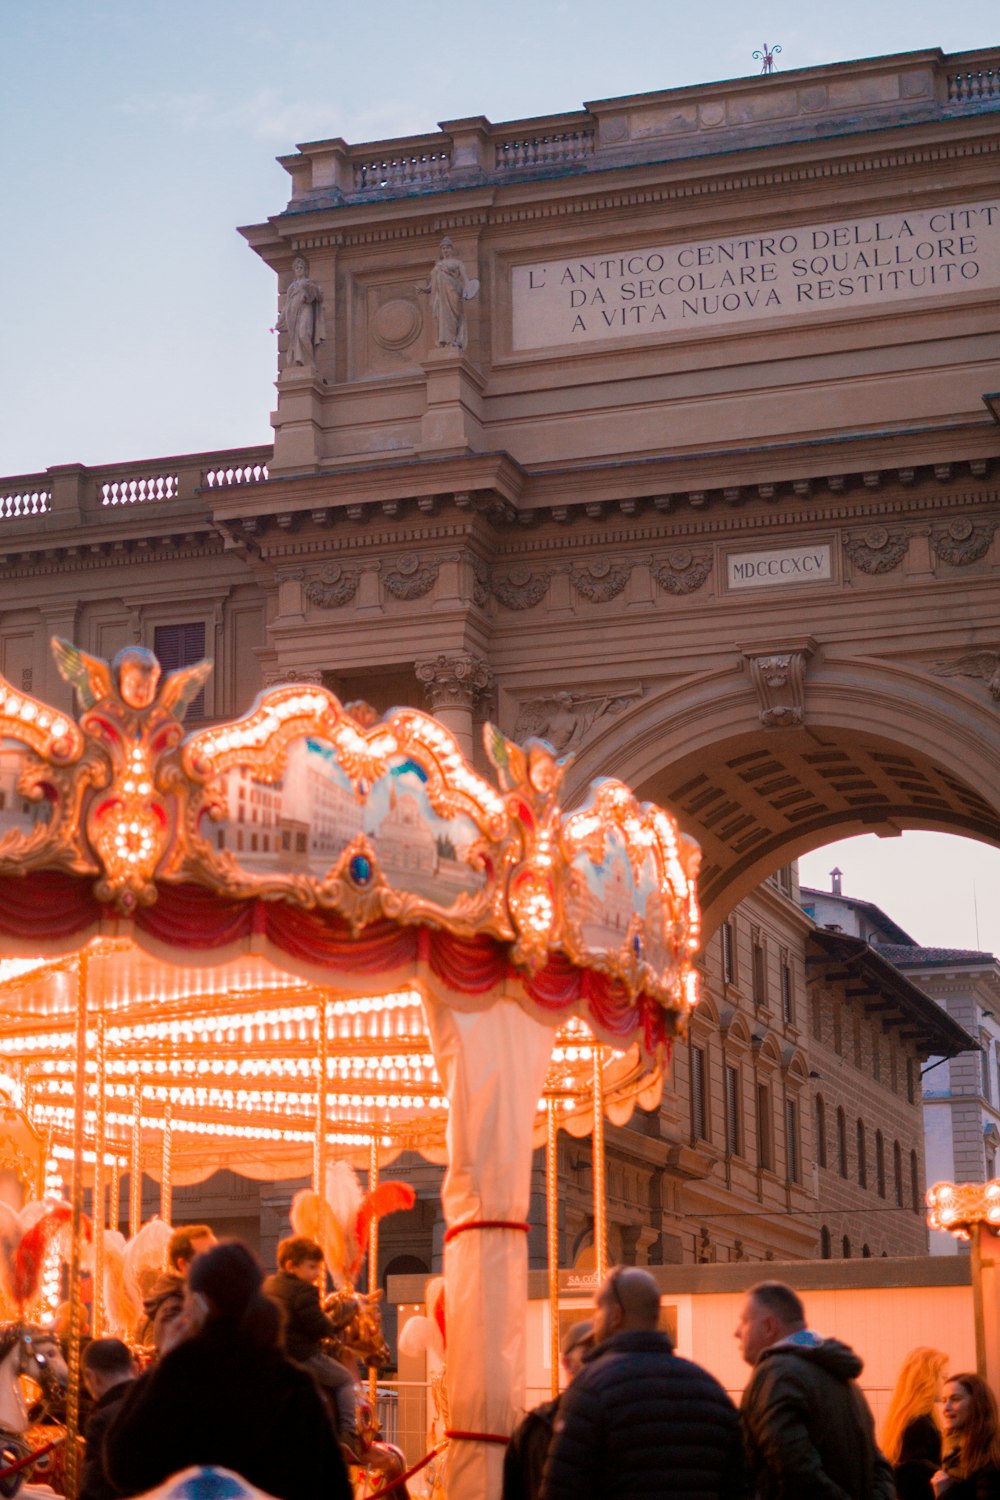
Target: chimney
<point x="835" y="876"/>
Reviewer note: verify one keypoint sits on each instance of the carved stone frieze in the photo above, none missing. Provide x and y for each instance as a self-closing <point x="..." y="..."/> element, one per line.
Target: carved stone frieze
<point x="408" y="579"/>
<point x="962" y="541"/>
<point x="982" y="664"/>
<point x="480" y="582"/>
<point x="519" y="587"/>
<point x="682" y="571"/>
<point x="600" y="580"/>
<point x="565" y="719"/>
<point x="454" y="679"/>
<point x="877" y="549"/>
<point x="280" y="676"/>
<point x="779" y="679"/>
<point x="334" y="586"/>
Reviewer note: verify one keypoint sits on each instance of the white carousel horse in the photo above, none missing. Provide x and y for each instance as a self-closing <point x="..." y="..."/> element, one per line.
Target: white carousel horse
<point x="26" y="1350"/>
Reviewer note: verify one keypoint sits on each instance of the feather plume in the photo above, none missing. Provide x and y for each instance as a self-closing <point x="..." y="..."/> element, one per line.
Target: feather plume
<point x="315" y="1219"/>
<point x="343" y="1193"/>
<point x="122" y="1308"/>
<point x="387" y="1198"/>
<point x="31" y="1251"/>
<point x="145" y="1256"/>
<point x="10" y="1235"/>
<point x="434" y="1298"/>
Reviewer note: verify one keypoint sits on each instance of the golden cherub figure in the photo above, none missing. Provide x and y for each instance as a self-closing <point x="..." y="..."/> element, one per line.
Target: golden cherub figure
<point x="133" y="678"/>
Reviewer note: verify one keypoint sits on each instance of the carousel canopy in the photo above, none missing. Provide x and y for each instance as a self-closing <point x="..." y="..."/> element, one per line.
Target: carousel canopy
<point x="271" y="901"/>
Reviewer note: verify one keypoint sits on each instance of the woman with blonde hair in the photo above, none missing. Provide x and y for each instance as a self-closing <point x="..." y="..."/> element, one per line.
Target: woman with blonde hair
<point x="971" y="1469"/>
<point x="911" y="1437"/>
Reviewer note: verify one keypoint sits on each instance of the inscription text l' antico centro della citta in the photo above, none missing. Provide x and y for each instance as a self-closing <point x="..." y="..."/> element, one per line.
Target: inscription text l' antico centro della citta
<point x="851" y="264"/>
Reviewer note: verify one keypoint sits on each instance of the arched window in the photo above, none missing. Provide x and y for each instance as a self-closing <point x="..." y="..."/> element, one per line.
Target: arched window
<point x="866" y="1252"/>
<point x="825" y="1249"/>
<point x="841" y="1143"/>
<point x="820" y="1130"/>
<point x="914" y="1182"/>
<point x="879" y="1164"/>
<point x="862" y="1156"/>
<point x="845" y="1248"/>
<point x="897" y="1172"/>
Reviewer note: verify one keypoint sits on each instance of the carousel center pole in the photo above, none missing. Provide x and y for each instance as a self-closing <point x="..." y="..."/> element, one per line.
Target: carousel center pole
<point x="552" y="1231"/>
<point x="373" y="1258"/>
<point x="600" y="1171"/>
<point x="135" y="1164"/>
<point x="97" y="1199"/>
<point x="77" y="1311"/>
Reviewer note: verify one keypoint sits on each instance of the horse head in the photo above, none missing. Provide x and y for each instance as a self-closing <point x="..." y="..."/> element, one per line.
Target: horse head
<point x="359" y="1326"/>
<point x="41" y="1358"/>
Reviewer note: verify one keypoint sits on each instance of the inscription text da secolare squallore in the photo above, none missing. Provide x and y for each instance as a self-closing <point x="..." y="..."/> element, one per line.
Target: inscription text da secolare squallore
<point x="852" y="263"/>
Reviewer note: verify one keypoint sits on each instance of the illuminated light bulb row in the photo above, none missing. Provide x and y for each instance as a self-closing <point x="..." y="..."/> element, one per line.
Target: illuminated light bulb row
<point x="64" y="1117"/>
<point x="16" y="707"/>
<point x="65" y="1153"/>
<point x="258" y="729"/>
<point x="257" y="1099"/>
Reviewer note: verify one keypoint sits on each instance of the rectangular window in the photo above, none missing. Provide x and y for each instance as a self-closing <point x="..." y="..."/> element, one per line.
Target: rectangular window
<point x="838" y="1031"/>
<point x="732" y="1111"/>
<point x="699" y="1117"/>
<point x="984" y="1063"/>
<point x="728" y="953"/>
<point x="787" y="1008"/>
<point x="759" y="972"/>
<point x="181" y="646"/>
<point x="857" y="1039"/>
<point x="817" y="1017"/>
<point x="792" y="1139"/>
<point x="910" y="1084"/>
<point x="876" y="1057"/>
<point x="765" y="1154"/>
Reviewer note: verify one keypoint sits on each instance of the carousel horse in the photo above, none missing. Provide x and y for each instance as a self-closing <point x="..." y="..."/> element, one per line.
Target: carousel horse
<point x="35" y="1353"/>
<point x="360" y="1341"/>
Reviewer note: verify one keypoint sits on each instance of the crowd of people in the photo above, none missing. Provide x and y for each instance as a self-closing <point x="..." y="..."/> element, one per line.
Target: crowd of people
<point x="238" y="1379"/>
<point x="636" y="1420"/>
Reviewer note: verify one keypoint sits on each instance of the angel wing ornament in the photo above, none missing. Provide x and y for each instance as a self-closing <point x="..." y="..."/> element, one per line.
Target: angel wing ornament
<point x="982" y="664"/>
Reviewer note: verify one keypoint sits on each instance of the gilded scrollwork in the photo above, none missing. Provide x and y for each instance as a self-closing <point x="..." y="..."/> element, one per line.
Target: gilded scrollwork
<point x="962" y="541"/>
<point x="876" y="550"/>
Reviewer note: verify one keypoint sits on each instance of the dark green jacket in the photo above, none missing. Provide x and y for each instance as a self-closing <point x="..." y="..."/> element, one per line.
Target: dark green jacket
<point x="808" y="1431"/>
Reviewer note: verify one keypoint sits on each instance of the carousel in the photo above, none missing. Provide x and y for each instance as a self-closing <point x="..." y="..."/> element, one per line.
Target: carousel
<point x="314" y="937"/>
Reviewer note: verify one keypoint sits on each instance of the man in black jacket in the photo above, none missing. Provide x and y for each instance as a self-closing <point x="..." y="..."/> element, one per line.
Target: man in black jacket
<point x="108" y="1372"/>
<point x="525" y="1454"/>
<point x="639" y="1421"/>
<point x="808" y="1430"/>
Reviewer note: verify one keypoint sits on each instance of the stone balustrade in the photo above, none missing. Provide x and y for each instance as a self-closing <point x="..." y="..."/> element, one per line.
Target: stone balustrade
<point x="733" y="114"/>
<point x="28" y="495"/>
<point x="76" y="493"/>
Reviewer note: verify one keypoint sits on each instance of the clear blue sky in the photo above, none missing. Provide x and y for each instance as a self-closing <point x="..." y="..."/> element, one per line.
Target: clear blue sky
<point x="136" y="134"/>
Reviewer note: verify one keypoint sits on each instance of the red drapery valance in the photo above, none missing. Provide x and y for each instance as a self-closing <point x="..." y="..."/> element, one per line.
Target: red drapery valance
<point x="51" y="908"/>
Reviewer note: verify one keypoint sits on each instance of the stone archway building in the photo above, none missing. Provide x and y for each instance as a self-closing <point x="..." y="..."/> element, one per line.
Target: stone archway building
<point x="665" y="428"/>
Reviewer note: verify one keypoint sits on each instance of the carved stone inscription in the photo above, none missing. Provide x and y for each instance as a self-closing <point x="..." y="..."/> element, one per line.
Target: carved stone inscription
<point x="665" y="288"/>
<point x="779" y="565"/>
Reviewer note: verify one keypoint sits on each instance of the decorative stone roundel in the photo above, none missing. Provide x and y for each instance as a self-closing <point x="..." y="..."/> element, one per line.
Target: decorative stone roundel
<point x="396" y="323"/>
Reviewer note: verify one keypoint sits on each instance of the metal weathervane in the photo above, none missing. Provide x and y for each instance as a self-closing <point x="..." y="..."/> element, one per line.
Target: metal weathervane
<point x="766" y="57"/>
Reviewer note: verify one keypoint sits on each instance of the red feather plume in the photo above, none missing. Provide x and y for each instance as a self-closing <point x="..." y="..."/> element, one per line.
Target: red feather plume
<point x="29" y="1256"/>
<point x="388" y="1198"/>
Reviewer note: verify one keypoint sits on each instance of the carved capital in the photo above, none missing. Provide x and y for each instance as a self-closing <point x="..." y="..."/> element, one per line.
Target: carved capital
<point x="455" y="680"/>
<point x="877" y="549"/>
<point x="962" y="541"/>
<point x="778" y="678"/>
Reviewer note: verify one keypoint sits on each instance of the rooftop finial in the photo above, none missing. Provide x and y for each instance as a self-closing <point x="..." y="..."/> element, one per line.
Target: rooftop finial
<point x="766" y="57"/>
<point x="835" y="876"/>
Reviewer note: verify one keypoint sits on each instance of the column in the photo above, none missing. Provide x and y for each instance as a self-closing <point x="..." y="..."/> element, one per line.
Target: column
<point x="454" y="683"/>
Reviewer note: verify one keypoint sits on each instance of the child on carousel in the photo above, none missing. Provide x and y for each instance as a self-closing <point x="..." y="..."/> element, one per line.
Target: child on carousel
<point x="295" y="1288"/>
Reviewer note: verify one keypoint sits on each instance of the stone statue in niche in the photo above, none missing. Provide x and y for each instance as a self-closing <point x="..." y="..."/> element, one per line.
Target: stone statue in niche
<point x="301" y="317"/>
<point x="450" y="289"/>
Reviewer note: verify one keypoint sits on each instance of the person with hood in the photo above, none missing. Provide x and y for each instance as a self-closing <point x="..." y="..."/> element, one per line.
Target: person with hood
<point x="808" y="1432"/>
<point x="166" y="1298"/>
<point x="639" y="1422"/>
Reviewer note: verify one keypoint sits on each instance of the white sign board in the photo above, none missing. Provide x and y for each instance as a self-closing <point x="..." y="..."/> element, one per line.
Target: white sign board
<point x="848" y="264"/>
<point x="779" y="565"/>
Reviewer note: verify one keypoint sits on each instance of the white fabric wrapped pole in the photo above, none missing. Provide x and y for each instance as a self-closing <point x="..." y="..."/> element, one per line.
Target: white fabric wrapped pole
<point x="493" y="1064"/>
